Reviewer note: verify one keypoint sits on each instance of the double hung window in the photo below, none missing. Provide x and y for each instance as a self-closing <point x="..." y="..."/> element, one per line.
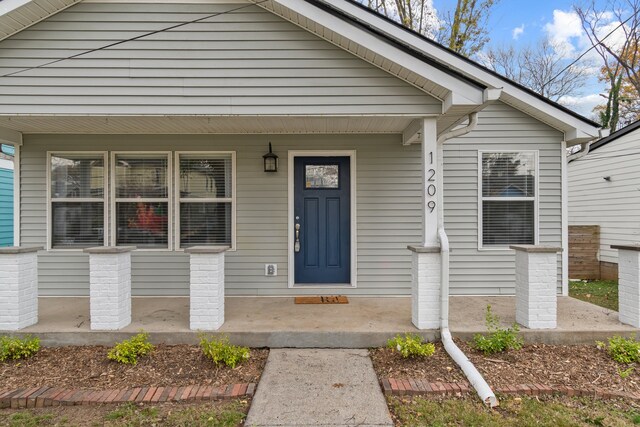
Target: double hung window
<point x="508" y="198"/>
<point x="77" y="194"/>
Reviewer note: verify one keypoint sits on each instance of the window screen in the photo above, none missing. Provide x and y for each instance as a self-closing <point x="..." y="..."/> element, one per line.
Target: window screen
<point x="508" y="198"/>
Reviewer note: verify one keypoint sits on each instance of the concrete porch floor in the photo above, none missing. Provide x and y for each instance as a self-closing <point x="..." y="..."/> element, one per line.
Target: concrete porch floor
<point x="278" y="322"/>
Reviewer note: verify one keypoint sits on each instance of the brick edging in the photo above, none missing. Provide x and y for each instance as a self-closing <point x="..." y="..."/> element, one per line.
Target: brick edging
<point x="39" y="397"/>
<point x="415" y="386"/>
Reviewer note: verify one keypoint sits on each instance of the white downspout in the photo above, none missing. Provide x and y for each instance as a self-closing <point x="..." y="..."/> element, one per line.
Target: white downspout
<point x="470" y="371"/>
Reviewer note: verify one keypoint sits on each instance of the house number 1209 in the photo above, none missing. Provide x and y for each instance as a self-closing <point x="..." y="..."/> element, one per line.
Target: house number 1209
<point x="431" y="188"/>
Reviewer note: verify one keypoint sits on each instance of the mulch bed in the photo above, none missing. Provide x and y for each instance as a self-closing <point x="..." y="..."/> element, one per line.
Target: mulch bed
<point x="577" y="366"/>
<point x="87" y="367"/>
<point x="388" y="363"/>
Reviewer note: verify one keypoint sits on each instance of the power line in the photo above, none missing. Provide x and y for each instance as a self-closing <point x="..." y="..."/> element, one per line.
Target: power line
<point x="593" y="47"/>
<point x="172" y="27"/>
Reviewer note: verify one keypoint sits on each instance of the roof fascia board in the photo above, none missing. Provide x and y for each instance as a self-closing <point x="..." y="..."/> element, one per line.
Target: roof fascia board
<point x="563" y="120"/>
<point x="465" y="92"/>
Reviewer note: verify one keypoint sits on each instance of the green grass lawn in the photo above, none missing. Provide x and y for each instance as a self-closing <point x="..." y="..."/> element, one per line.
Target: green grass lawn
<point x="599" y="292"/>
<point x="214" y="414"/>
<point x="525" y="412"/>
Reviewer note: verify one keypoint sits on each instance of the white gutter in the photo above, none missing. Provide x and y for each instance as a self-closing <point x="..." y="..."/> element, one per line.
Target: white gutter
<point x="470" y="371"/>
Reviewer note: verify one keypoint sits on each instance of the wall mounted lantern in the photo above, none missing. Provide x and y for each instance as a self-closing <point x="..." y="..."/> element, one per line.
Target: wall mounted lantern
<point x="270" y="161"/>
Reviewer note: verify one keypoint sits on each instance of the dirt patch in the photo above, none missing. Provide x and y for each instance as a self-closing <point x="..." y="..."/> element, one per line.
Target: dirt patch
<point x="88" y="367"/>
<point x="440" y="367"/>
<point x="576" y="366"/>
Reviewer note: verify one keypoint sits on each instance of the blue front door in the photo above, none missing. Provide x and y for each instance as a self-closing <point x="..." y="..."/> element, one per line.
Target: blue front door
<point x="322" y="215"/>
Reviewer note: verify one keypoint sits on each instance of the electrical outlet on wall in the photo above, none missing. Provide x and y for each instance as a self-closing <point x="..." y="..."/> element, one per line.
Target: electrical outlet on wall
<point x="271" y="269"/>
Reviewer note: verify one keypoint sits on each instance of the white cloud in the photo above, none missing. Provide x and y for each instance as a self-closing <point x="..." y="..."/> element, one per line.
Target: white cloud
<point x="564" y="31"/>
<point x="517" y="32"/>
<point x="583" y="104"/>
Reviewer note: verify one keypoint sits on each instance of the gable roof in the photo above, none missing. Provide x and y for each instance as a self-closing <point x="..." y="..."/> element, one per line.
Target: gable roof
<point x="459" y="56"/>
<point x="463" y="85"/>
<point x="617" y="134"/>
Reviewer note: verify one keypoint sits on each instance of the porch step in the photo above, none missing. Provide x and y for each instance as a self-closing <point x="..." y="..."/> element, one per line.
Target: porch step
<point x="318" y="387"/>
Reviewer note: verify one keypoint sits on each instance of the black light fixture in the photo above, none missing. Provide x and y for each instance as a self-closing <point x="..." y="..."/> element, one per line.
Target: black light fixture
<point x="270" y="161"/>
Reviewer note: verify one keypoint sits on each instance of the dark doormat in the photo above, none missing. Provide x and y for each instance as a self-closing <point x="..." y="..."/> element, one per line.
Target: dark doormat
<point x="329" y="299"/>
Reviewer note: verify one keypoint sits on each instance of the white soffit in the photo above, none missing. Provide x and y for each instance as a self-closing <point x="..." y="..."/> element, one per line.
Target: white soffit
<point x="16" y="15"/>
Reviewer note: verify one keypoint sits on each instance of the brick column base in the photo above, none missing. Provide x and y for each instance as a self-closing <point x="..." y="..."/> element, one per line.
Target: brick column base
<point x="206" y="287"/>
<point x="536" y="286"/>
<point x="628" y="284"/>
<point x="425" y="287"/>
<point x="110" y="287"/>
<point x="18" y="287"/>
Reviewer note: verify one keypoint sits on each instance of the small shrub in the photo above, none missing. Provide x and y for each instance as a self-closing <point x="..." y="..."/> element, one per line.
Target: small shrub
<point x="625" y="373"/>
<point x="220" y="351"/>
<point x="128" y="351"/>
<point x="411" y="346"/>
<point x="622" y="350"/>
<point x="13" y="348"/>
<point x="498" y="339"/>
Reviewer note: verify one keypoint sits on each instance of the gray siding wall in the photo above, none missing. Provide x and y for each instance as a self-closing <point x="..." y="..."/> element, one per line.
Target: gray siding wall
<point x="388" y="213"/>
<point x="388" y="208"/>
<point x="613" y="205"/>
<point x="247" y="61"/>
<point x="500" y="128"/>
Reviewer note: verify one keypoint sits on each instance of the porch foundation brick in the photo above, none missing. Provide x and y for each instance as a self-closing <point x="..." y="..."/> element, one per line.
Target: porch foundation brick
<point x="206" y="295"/>
<point x="110" y="287"/>
<point x="19" y="290"/>
<point x="536" y="286"/>
<point x="425" y="287"/>
<point x="629" y="284"/>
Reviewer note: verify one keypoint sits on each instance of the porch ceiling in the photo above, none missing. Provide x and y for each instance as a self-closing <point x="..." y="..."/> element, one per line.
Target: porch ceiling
<point x="203" y="125"/>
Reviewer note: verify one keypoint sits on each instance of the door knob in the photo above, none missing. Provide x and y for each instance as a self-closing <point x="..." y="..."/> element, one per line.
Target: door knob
<point x="296" y="246"/>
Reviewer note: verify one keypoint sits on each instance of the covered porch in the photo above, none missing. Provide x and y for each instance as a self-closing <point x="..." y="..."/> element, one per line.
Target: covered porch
<point x="278" y="322"/>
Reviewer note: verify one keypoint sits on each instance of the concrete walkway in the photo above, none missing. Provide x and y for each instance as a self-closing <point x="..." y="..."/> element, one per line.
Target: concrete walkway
<point x="318" y="387"/>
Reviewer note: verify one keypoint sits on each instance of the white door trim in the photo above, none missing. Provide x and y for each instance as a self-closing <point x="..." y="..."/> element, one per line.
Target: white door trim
<point x="291" y="221"/>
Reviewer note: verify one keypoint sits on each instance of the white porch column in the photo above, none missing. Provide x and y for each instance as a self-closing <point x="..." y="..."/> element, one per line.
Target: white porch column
<point x="629" y="284"/>
<point x="206" y="295"/>
<point x="109" y="287"/>
<point x="426" y="259"/>
<point x="536" y="286"/>
<point x="18" y="287"/>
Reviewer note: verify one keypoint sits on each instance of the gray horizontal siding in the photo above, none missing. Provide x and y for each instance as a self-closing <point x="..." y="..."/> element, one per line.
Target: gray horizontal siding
<point x="388" y="213"/>
<point x="500" y="128"/>
<point x="613" y="205"/>
<point x="246" y="62"/>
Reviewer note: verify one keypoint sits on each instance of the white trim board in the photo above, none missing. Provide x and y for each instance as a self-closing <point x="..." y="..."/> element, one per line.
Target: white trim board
<point x="291" y="221"/>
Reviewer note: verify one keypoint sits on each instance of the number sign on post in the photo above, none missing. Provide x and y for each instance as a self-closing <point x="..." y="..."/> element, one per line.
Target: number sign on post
<point x="430" y="184"/>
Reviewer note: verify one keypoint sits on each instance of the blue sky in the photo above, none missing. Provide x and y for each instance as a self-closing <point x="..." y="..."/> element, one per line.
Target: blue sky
<point x="523" y="22"/>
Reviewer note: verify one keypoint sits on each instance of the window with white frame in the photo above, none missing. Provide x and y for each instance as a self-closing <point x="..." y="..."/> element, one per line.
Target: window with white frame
<point x="77" y="195"/>
<point x="508" y="198"/>
<point x="205" y="199"/>
<point x="141" y="199"/>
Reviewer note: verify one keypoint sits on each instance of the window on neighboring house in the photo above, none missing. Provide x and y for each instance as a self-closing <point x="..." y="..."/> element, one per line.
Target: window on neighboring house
<point x="141" y="192"/>
<point x="206" y="199"/>
<point x="77" y="193"/>
<point x="508" y="198"/>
